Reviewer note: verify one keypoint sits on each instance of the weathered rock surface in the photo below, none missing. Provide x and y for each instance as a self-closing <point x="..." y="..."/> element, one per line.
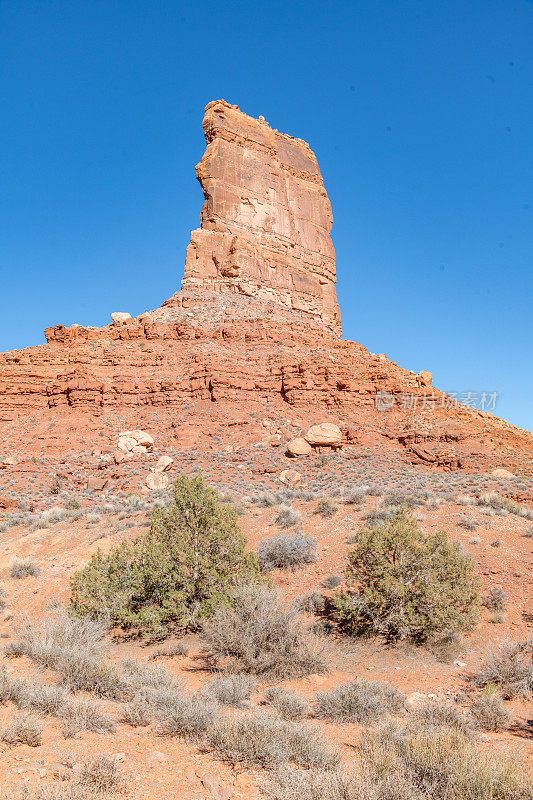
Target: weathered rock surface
<point x="299" y="447"/>
<point x="326" y="434"/>
<point x="266" y="219"/>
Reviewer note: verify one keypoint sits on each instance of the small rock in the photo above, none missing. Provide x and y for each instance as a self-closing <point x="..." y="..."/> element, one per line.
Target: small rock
<point x="216" y="787"/>
<point x="135" y="442"/>
<point x="290" y="477"/>
<point x="164" y="464"/>
<point x="502" y="473"/>
<point x="460" y="663"/>
<point x="157" y="481"/>
<point x="298" y="447"/>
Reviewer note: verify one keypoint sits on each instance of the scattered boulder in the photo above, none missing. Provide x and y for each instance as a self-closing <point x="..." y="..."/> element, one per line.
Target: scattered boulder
<point x="502" y="473"/>
<point x="9" y="461"/>
<point x="290" y="477"/>
<point x="120" y="317"/>
<point x="216" y="787"/>
<point x="298" y="447"/>
<point x="157" y="481"/>
<point x="424" y="378"/>
<point x="326" y="434"/>
<point x="135" y="442"/>
<point x="164" y="464"/>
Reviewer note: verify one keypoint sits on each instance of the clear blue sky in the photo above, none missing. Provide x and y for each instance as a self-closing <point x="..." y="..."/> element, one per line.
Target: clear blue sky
<point x="420" y="113"/>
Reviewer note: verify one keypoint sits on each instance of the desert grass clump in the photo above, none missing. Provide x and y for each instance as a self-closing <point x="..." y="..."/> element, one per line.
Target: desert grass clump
<point x="83" y="714"/>
<point x="189" y="717"/>
<point x="24" y="728"/>
<point x="289" y="705"/>
<point x="359" y="701"/>
<point x="24" y="568"/>
<point x="356" y="495"/>
<point x="176" y="574"/>
<point x="495" y="598"/>
<point x="311" y="603"/>
<point x="332" y="582"/>
<point x="38" y="697"/>
<point x="73" y="647"/>
<point x="230" y="690"/>
<point x="288" y="783"/>
<point x="504" y="504"/>
<point x="405" y="584"/>
<point x="287" y="516"/>
<point x="443" y="763"/>
<point x="100" y="775"/>
<point x="490" y="712"/>
<point x="509" y="667"/>
<point x="442" y="714"/>
<point x="266" y="740"/>
<point x="468" y="524"/>
<point x="260" y="635"/>
<point x="326" y="508"/>
<point x="286" y="551"/>
<point x="138" y="713"/>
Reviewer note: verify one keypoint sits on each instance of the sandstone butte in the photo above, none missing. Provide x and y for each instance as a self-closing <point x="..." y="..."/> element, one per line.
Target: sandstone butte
<point x="255" y="331"/>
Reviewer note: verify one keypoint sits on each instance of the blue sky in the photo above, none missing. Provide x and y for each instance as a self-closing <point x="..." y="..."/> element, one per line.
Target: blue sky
<point x="420" y="113"/>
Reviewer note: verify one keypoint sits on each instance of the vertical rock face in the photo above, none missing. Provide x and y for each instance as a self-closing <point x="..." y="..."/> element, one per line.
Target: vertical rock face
<point x="266" y="219"/>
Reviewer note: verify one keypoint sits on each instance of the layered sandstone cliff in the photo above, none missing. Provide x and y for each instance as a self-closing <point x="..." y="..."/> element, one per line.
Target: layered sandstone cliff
<point x="266" y="219"/>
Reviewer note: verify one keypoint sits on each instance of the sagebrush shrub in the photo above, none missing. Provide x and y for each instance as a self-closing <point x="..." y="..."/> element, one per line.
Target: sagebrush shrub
<point x="286" y="551"/>
<point x="407" y="584"/>
<point x="24" y="728"/>
<point x="289" y="705"/>
<point x="174" y="575"/>
<point x="443" y="763"/>
<point x="435" y="714"/>
<point x="264" y="739"/>
<point x="495" y="598"/>
<point x="230" y="690"/>
<point x="326" y="508"/>
<point x="359" y="701"/>
<point x="188" y="717"/>
<point x="490" y="712"/>
<point x="23" y="568"/>
<point x="259" y="635"/>
<point x="508" y="665"/>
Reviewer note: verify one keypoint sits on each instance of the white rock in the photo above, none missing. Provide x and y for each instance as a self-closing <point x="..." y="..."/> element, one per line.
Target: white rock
<point x="164" y="464"/>
<point x="129" y="440"/>
<point x="120" y="317"/>
<point x="326" y="434"/>
<point x="157" y="481"/>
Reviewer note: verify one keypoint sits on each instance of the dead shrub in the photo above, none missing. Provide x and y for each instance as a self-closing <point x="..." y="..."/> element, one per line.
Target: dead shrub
<point x="286" y="551"/>
<point x="289" y="705"/>
<point x="326" y="508"/>
<point x="259" y="635"/>
<point x="230" y="690"/>
<point x="24" y="728"/>
<point x="101" y="775"/>
<point x="508" y="666"/>
<point x="359" y="701"/>
<point x="138" y="713"/>
<point x="83" y="714"/>
<point x="263" y="739"/>
<point x="490" y="711"/>
<point x="189" y="717"/>
<point x="23" y="568"/>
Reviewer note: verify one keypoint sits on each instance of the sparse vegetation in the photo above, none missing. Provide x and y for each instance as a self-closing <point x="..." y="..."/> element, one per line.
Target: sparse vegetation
<point x="230" y="690"/>
<point x="332" y="582"/>
<point x="408" y="584"/>
<point x="359" y="701"/>
<point x="24" y="728"/>
<point x="259" y="635"/>
<point x="178" y="573"/>
<point x="287" y="516"/>
<point x="286" y="551"/>
<point x="495" y="598"/>
<point x="23" y="568"/>
<point x="499" y="504"/>
<point x="289" y="705"/>
<point x="508" y="666"/>
<point x="264" y="739"/>
<point x="490" y="711"/>
<point x="326" y="508"/>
